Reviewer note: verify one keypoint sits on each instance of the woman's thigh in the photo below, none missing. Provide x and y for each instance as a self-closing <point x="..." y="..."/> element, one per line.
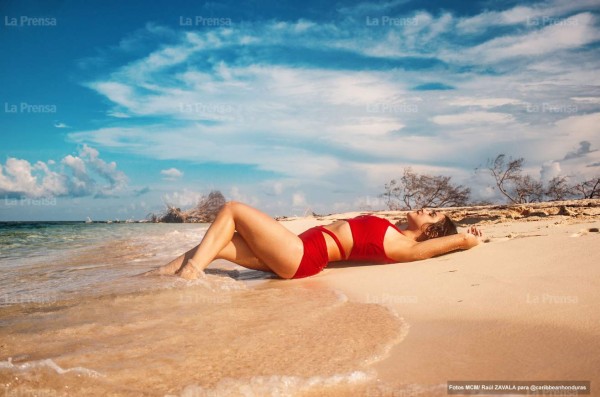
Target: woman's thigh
<point x="238" y="251"/>
<point x="271" y="242"/>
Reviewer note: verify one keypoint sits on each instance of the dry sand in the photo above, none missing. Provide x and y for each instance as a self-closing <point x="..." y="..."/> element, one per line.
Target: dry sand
<point x="523" y="306"/>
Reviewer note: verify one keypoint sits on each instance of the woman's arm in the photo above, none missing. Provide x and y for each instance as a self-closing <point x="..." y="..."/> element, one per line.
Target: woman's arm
<point x="442" y="245"/>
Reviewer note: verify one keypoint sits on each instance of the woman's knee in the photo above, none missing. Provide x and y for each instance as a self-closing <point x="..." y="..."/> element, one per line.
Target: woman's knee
<point x="230" y="206"/>
<point x="235" y="207"/>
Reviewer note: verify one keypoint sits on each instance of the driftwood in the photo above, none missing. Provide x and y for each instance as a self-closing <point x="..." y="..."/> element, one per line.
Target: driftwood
<point x="204" y="212"/>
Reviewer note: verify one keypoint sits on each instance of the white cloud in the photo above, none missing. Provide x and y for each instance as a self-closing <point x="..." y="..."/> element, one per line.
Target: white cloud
<point x="116" y="179"/>
<point x="278" y="188"/>
<point x="118" y="114"/>
<point x="485" y="103"/>
<point x="483" y="21"/>
<point x="18" y="178"/>
<point x="593" y="100"/>
<point x="582" y="128"/>
<point x="183" y="198"/>
<point x="299" y="200"/>
<point x="542" y="13"/>
<point x="171" y="174"/>
<point x="473" y="118"/>
<point x="574" y="32"/>
<point x="236" y="193"/>
<point x="374" y="8"/>
<point x="80" y="183"/>
<point x="119" y="93"/>
<point x="76" y="165"/>
<point x="550" y="170"/>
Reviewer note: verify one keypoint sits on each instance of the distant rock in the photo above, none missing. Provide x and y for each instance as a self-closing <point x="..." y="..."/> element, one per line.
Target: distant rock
<point x="564" y="211"/>
<point x="538" y="213"/>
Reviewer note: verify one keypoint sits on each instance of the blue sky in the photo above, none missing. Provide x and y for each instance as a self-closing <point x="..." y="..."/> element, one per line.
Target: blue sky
<point x="112" y="108"/>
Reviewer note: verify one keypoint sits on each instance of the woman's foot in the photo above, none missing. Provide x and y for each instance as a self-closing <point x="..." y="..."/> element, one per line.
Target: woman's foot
<point x="165" y="270"/>
<point x="189" y="271"/>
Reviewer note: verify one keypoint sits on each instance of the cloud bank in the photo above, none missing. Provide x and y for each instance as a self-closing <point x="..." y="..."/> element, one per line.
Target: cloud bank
<point x="85" y="174"/>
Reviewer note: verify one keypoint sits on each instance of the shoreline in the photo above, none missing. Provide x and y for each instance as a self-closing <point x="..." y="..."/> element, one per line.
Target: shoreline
<point x="516" y="208"/>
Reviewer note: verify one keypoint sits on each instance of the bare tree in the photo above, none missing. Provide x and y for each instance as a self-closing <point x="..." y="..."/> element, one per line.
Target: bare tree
<point x="558" y="188"/>
<point x="511" y="182"/>
<point x="208" y="207"/>
<point x="391" y="194"/>
<point x="506" y="174"/>
<point x="420" y="190"/>
<point x="173" y="215"/>
<point x="588" y="189"/>
<point x="528" y="189"/>
<point x="519" y="188"/>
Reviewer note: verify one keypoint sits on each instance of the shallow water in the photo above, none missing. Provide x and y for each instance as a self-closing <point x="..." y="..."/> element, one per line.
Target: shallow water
<point x="75" y="320"/>
<point x="49" y="261"/>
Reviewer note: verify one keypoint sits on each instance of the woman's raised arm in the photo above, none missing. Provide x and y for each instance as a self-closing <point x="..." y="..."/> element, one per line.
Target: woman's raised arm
<point x="442" y="245"/>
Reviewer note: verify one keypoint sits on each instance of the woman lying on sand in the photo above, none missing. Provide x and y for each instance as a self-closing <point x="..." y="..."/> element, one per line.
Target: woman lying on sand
<point x="250" y="238"/>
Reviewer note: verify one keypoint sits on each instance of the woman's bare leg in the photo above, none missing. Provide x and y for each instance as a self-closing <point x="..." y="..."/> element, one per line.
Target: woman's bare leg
<point x="236" y="251"/>
<point x="273" y="245"/>
<point x="171" y="267"/>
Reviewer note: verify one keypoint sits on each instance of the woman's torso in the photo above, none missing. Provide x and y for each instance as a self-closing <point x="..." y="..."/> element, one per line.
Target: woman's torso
<point x="393" y="241"/>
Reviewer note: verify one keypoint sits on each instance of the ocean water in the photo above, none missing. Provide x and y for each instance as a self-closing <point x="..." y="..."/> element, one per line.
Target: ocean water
<point x="76" y="319"/>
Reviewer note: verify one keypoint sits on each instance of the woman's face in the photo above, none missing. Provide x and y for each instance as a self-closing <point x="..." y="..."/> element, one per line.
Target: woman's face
<point x="416" y="219"/>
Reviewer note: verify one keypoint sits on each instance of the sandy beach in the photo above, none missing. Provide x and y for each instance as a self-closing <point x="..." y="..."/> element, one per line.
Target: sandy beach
<point x="130" y="127"/>
<point x="522" y="306"/>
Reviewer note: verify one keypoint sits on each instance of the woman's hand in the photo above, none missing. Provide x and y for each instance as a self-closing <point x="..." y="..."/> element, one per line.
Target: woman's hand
<point x="474" y="236"/>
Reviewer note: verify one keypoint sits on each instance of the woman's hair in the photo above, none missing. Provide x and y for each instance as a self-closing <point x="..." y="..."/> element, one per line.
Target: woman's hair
<point x="442" y="228"/>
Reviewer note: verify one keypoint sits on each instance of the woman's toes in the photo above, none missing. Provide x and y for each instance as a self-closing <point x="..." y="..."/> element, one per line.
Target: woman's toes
<point x="188" y="273"/>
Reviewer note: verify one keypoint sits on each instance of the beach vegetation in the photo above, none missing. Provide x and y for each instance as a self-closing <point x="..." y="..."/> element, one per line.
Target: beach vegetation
<point x="204" y="211"/>
<point x="588" y="189"/>
<point x="415" y="190"/>
<point x="520" y="188"/>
